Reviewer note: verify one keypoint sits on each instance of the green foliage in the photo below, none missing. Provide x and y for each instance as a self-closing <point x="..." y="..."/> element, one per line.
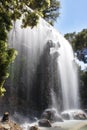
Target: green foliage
<point x="77" y="40"/>
<point x="2" y="91"/>
<point x="27" y="20"/>
<point x="51" y="13"/>
<point x="71" y="37"/>
<point x="6" y="57"/>
<point x="11" y="10"/>
<point x="81" y="39"/>
<point x="83" y="88"/>
<point x="39" y="5"/>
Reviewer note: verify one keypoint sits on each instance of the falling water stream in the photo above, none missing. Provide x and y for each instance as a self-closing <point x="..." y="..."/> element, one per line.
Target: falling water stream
<point x="68" y="76"/>
<point x="44" y="73"/>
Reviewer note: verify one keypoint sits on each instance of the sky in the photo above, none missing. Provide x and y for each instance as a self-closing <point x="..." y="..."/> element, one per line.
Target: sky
<point x="73" y="16"/>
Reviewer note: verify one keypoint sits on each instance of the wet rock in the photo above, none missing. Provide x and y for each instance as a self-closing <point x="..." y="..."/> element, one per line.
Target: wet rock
<point x="44" y="123"/>
<point x="51" y="115"/>
<point x="74" y="114"/>
<point x="65" y="116"/>
<point x="5" y="117"/>
<point x="80" y="116"/>
<point x="34" y="128"/>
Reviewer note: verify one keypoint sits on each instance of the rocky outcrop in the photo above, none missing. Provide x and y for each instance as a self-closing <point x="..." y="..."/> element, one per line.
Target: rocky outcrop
<point x="80" y="116"/>
<point x="51" y="115"/>
<point x="7" y="124"/>
<point x="44" y="123"/>
<point x="76" y="114"/>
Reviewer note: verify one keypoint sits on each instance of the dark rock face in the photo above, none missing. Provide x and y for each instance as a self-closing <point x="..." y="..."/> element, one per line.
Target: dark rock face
<point x="45" y="80"/>
<point x="66" y="116"/>
<point x="34" y="128"/>
<point x="44" y="123"/>
<point x="51" y="115"/>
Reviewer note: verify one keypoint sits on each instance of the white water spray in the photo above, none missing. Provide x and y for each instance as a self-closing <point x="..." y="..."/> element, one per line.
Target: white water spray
<point x="30" y="44"/>
<point x="68" y="76"/>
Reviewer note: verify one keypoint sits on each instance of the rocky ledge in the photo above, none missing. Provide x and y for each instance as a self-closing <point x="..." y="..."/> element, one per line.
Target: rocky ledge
<point x="7" y="124"/>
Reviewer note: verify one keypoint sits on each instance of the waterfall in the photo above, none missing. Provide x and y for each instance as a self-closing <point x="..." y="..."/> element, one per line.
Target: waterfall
<point x="68" y="73"/>
<point x="44" y="73"/>
<point x="68" y="76"/>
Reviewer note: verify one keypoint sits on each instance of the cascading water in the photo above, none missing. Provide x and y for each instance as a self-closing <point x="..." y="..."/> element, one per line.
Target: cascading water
<point x="67" y="71"/>
<point x="68" y="76"/>
<point x="44" y="74"/>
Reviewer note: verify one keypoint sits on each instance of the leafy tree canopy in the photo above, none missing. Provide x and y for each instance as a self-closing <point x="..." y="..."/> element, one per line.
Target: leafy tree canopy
<point x="71" y="37"/>
<point x="51" y="13"/>
<point x="77" y="40"/>
<point x="81" y="39"/>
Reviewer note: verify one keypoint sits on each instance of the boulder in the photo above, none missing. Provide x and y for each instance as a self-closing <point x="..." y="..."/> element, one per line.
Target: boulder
<point x="80" y="116"/>
<point x="44" y="123"/>
<point x="51" y="115"/>
<point x="5" y="117"/>
<point x="76" y="114"/>
<point x="34" y="128"/>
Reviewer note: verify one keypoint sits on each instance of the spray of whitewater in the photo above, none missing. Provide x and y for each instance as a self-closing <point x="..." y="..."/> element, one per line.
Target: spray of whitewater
<point x="68" y="76"/>
<point x="44" y="66"/>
